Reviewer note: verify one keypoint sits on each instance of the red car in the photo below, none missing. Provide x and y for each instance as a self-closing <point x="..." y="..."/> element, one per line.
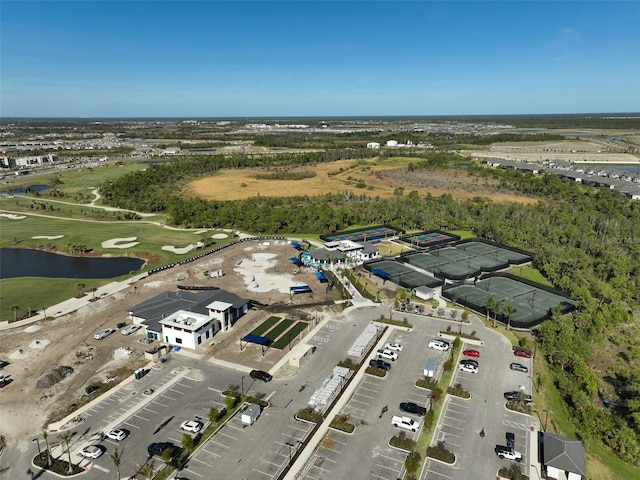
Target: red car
<point x="521" y="353"/>
<point x="471" y="353"/>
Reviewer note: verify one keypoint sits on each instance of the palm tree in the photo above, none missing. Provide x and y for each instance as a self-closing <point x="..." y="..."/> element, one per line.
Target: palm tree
<point x="147" y="470"/>
<point x="509" y="311"/>
<point x="80" y="288"/>
<point x="66" y="439"/>
<point x="45" y="434"/>
<point x="93" y="293"/>
<point x="491" y="306"/>
<point x="116" y="456"/>
<point x="15" y="311"/>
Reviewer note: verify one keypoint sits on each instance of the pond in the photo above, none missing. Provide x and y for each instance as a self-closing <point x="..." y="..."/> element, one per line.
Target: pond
<point x="26" y="262"/>
<point x="28" y="189"/>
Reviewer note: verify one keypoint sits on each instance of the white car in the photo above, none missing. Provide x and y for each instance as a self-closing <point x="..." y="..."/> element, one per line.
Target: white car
<point x="467" y="367"/>
<point x="192" y="426"/>
<point x="130" y="329"/>
<point x="388" y="354"/>
<point x="91" y="451"/>
<point x="395" y="347"/>
<point x="439" y="345"/>
<point x="405" y="422"/>
<point x="117" y="434"/>
<point x="103" y="333"/>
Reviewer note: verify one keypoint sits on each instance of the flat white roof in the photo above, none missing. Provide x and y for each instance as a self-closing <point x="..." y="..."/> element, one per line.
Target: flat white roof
<point x="219" y="306"/>
<point x="185" y="320"/>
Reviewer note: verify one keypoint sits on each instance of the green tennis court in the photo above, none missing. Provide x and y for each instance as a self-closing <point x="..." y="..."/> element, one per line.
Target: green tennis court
<point x="266" y="325"/>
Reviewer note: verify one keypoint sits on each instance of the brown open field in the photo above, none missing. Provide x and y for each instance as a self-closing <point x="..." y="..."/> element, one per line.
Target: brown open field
<point x="372" y="177"/>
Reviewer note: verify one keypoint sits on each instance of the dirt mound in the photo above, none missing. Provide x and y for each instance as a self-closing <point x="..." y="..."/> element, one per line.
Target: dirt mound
<point x="54" y="376"/>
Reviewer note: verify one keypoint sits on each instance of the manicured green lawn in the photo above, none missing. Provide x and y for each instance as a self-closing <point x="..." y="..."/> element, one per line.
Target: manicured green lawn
<point x="290" y="335"/>
<point x="266" y="325"/>
<point x="276" y="331"/>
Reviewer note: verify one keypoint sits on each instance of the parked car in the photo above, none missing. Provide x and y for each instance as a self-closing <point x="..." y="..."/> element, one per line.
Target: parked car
<point x="405" y="422"/>
<point x="91" y="451"/>
<point x="518" y="395"/>
<point x="192" y="426"/>
<point x="388" y="354"/>
<point x="468" y="361"/>
<point x="522" y="353"/>
<point x="471" y="353"/>
<point x="511" y="440"/>
<point x="377" y="363"/>
<point x="130" y="329"/>
<point x="260" y="375"/>
<point x="439" y="345"/>
<point x="159" y="448"/>
<point x="508" y="453"/>
<point x="117" y="434"/>
<point x="414" y="408"/>
<point x="103" y="333"/>
<point x="465" y="367"/>
<point x="395" y="347"/>
<point x="518" y="367"/>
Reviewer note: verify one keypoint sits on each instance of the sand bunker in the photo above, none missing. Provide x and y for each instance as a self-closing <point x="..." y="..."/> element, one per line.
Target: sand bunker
<point x="117" y="242"/>
<point x="198" y="232"/>
<point x="255" y="278"/>
<point x="47" y="237"/>
<point x="219" y="235"/>
<point x="12" y="216"/>
<point x="188" y="248"/>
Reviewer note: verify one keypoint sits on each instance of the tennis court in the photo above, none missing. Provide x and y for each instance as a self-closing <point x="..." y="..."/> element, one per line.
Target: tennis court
<point x="454" y="264"/>
<point x="532" y="302"/>
<point x="514" y="257"/>
<point x="401" y="274"/>
<point x="365" y="235"/>
<point x="429" y="239"/>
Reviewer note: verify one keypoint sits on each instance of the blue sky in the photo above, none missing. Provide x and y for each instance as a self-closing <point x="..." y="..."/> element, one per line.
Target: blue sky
<point x="307" y="58"/>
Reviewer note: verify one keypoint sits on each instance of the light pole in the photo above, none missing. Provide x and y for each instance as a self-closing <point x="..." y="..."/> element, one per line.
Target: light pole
<point x="37" y="440"/>
<point x="546" y="416"/>
<point x="242" y="386"/>
<point x="537" y="471"/>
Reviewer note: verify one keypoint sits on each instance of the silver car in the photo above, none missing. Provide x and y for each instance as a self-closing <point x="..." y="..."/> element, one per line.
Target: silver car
<point x="130" y="329"/>
<point x="103" y="333"/>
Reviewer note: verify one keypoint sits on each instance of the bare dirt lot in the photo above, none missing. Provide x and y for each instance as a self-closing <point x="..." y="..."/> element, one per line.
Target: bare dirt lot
<point x="35" y="350"/>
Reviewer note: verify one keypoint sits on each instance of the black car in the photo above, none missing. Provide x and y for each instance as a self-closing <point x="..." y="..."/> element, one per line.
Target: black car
<point x="377" y="363"/>
<point x="518" y="396"/>
<point x="159" y="448"/>
<point x="511" y="440"/>
<point x="468" y="361"/>
<point x="260" y="375"/>
<point x="411" y="407"/>
<point x="518" y="367"/>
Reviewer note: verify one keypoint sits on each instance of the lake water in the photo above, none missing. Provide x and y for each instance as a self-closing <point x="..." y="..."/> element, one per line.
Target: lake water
<point x="21" y="190"/>
<point x="25" y="262"/>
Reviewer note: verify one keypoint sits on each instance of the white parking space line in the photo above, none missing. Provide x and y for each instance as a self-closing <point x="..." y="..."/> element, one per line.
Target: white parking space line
<point x="363" y="395"/>
<point x="226" y="435"/>
<point x="358" y="401"/>
<point x="102" y="469"/>
<point x="378" y="476"/>
<point x="169" y="397"/>
<point x="393" y="459"/>
<point x="184" y="385"/>
<point x="261" y="472"/>
<point x="132" y="425"/>
<point x="220" y="444"/>
<point x="330" y="449"/>
<point x="161" y="404"/>
<point x="214" y="390"/>
<point x="229" y="425"/>
<point x="300" y="429"/>
<point x="202" y="462"/>
<point x="150" y="410"/>
<point x="141" y="418"/>
<point x="372" y="390"/>
<point x="192" y="471"/>
<point x="211" y="453"/>
<point x="386" y="468"/>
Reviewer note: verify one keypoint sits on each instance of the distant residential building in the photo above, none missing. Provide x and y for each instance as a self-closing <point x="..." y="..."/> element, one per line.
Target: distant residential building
<point x="392" y="143"/>
<point x="373" y="145"/>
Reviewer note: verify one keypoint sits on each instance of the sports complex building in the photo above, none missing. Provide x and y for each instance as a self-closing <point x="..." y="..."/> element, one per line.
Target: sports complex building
<point x="469" y="272"/>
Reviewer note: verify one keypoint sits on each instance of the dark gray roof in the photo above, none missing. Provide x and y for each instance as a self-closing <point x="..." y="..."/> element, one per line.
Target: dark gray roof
<point x="166" y="303"/>
<point x="563" y="453"/>
<point x="368" y="247"/>
<point x="324" y="255"/>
